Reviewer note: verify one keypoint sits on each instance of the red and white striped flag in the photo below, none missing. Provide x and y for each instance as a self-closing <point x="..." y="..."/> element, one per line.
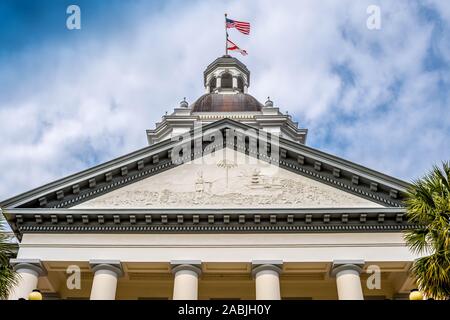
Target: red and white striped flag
<point x="232" y="46"/>
<point x="243" y="27"/>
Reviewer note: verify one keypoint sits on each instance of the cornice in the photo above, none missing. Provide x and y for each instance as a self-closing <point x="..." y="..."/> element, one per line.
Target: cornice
<point x="208" y="220"/>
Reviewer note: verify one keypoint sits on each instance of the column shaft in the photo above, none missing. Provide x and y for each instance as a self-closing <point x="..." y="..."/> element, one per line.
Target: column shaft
<point x="106" y="274"/>
<point x="28" y="272"/>
<point x="104" y="285"/>
<point x="267" y="281"/>
<point x="348" y="281"/>
<point x="218" y="82"/>
<point x="349" y="285"/>
<point x="235" y="82"/>
<point x="27" y="282"/>
<point x="186" y="281"/>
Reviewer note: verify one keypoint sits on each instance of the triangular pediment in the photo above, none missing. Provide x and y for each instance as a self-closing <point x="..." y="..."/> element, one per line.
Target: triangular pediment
<point x="227" y="179"/>
<point x="149" y="178"/>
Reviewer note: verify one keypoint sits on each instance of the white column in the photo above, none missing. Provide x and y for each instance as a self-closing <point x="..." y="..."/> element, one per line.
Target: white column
<point x="28" y="272"/>
<point x="186" y="279"/>
<point x="267" y="279"/>
<point x="348" y="280"/>
<point x="218" y="83"/>
<point x="106" y="275"/>
<point x="235" y="82"/>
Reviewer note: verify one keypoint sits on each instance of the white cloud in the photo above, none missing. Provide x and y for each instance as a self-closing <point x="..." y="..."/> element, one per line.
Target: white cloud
<point x="80" y="104"/>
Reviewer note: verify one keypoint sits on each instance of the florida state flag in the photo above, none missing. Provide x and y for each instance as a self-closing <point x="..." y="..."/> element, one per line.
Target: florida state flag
<point x="232" y="46"/>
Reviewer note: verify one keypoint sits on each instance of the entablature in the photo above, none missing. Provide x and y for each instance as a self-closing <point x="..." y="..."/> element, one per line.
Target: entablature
<point x="208" y="220"/>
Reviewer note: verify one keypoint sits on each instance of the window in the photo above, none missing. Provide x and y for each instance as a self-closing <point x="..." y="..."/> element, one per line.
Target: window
<point x="227" y="81"/>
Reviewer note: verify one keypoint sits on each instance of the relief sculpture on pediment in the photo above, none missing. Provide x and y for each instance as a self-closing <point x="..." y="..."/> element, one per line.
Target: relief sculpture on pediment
<point x="226" y="184"/>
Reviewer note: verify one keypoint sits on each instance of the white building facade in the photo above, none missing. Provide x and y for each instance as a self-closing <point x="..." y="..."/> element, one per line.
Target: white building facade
<point x="226" y="202"/>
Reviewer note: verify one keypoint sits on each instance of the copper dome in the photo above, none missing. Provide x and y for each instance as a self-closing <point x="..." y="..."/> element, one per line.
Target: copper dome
<point x="215" y="102"/>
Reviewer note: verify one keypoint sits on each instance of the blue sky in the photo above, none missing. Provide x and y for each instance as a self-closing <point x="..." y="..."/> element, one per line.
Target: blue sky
<point x="73" y="99"/>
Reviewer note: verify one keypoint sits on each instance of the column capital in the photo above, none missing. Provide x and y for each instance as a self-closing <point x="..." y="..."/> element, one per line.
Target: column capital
<point x="262" y="265"/>
<point x="30" y="264"/>
<point x="111" y="265"/>
<point x="191" y="265"/>
<point x="342" y="265"/>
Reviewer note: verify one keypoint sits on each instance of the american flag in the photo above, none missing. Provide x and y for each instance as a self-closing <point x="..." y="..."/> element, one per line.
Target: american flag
<point x="243" y="27"/>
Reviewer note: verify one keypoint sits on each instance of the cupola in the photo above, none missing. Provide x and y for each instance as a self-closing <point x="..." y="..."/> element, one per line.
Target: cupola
<point x="226" y="75"/>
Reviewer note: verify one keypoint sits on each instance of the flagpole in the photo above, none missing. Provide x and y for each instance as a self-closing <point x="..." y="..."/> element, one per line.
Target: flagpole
<point x="226" y="36"/>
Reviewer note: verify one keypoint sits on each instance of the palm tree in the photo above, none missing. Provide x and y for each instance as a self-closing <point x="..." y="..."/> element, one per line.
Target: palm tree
<point x="428" y="206"/>
<point x="7" y="250"/>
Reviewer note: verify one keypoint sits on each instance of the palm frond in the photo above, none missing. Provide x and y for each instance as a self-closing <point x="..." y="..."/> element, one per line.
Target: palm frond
<point x="417" y="239"/>
<point x="8" y="277"/>
<point x="432" y="275"/>
<point x="428" y="206"/>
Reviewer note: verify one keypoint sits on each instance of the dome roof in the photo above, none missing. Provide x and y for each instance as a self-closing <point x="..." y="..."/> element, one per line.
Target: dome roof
<point x="215" y="102"/>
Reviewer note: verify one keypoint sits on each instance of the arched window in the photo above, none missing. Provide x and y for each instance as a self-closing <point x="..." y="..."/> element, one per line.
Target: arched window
<point x="227" y="81"/>
<point x="240" y="84"/>
<point x="212" y="84"/>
